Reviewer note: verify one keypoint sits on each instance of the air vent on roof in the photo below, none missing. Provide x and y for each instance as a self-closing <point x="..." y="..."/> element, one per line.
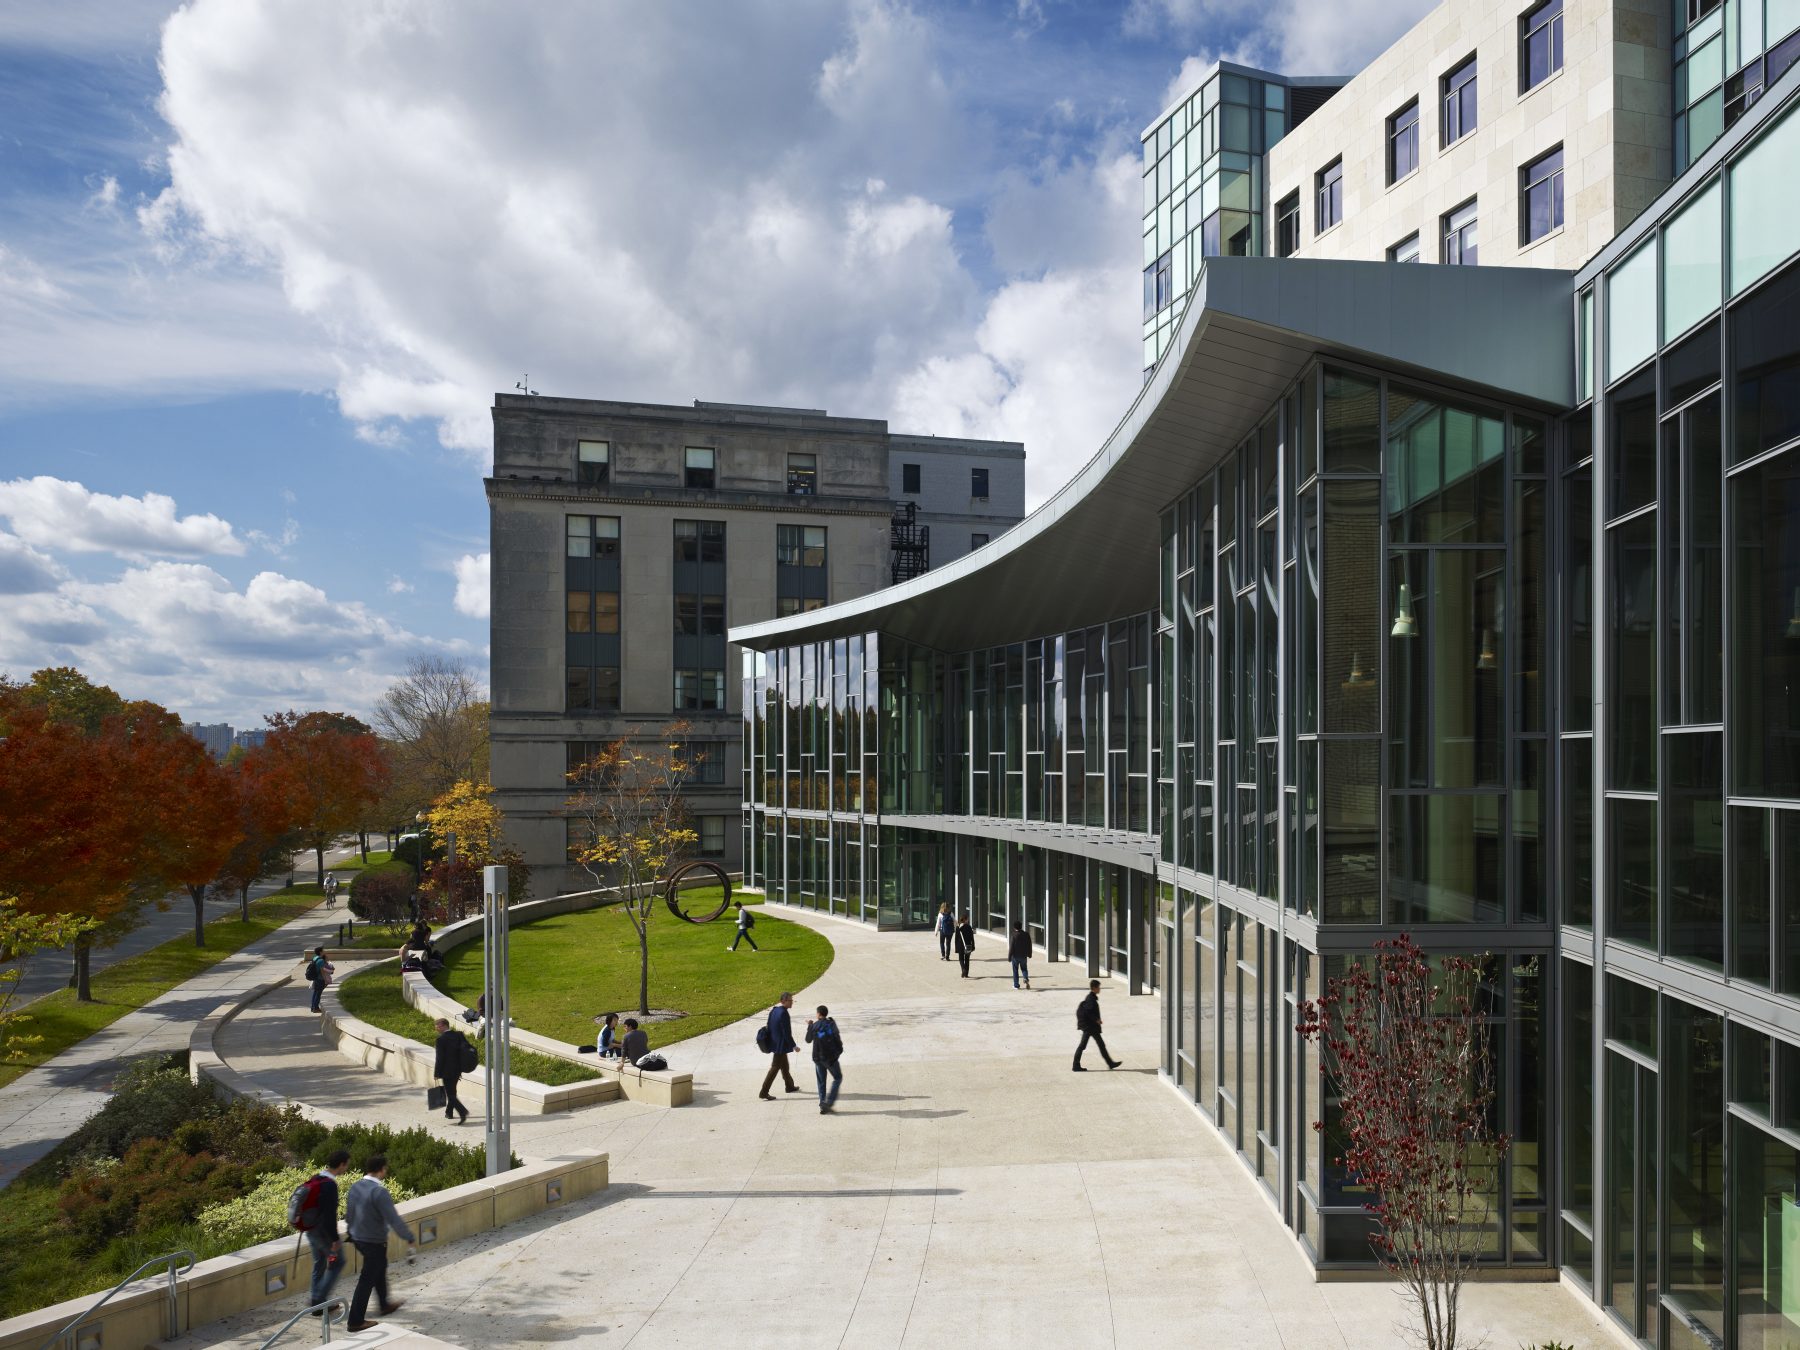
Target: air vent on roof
<point x="1307" y="99"/>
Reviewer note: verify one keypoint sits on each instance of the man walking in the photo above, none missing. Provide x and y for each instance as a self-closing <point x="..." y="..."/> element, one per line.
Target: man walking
<point x="453" y="1054"/>
<point x="369" y="1214"/>
<point x="781" y="1045"/>
<point x="1018" y="951"/>
<point x="965" y="942"/>
<point x="318" y="975"/>
<point x="318" y="1219"/>
<point x="827" y="1050"/>
<point x="746" y="921"/>
<point x="1087" y="1017"/>
<point x="944" y="927"/>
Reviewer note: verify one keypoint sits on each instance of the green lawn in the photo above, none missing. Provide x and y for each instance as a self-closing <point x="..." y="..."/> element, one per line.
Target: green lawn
<point x="376" y="858"/>
<point x="129" y="984"/>
<point x="374" y="996"/>
<point x="568" y="968"/>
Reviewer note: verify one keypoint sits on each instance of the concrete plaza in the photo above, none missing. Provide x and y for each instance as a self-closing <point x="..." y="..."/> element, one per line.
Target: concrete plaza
<point x="970" y="1189"/>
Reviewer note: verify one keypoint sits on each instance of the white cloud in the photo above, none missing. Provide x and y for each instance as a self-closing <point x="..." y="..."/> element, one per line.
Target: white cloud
<point x="398" y="586"/>
<point x="472" y="585"/>
<point x="24" y="570"/>
<point x="57" y="514"/>
<point x="1295" y="37"/>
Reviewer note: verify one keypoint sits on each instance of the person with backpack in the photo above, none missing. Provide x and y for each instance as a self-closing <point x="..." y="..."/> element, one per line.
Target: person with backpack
<point x="945" y="924"/>
<point x="313" y="1212"/>
<point x="964" y="933"/>
<point x="369" y="1213"/>
<point x="1087" y="1018"/>
<point x="636" y="1043"/>
<point x="455" y="1057"/>
<point x="746" y="921"/>
<point x="318" y="975"/>
<point x="776" y="1037"/>
<point x="1018" y="951"/>
<point x="827" y="1051"/>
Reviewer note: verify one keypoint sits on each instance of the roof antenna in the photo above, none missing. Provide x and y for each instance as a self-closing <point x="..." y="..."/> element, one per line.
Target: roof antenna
<point x="521" y="386"/>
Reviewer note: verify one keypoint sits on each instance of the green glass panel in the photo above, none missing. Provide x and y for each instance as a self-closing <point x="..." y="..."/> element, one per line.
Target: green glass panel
<point x="1691" y="263"/>
<point x="1765" y="202"/>
<point x="1631" y="311"/>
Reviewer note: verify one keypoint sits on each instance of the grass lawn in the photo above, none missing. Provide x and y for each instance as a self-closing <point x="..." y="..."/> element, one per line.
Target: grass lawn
<point x="568" y="968"/>
<point x="128" y="985"/>
<point x="376" y="858"/>
<point x="374" y="996"/>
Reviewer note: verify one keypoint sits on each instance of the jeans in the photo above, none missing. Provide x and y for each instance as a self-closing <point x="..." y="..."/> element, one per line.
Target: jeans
<point x="827" y="1101"/>
<point x="944" y="945"/>
<point x="1020" y="973"/>
<point x="778" y="1064"/>
<point x="318" y="990"/>
<point x="372" y="1280"/>
<point x="1087" y="1036"/>
<point x="962" y="955"/>
<point x="327" y="1266"/>
<point x="743" y="935"/>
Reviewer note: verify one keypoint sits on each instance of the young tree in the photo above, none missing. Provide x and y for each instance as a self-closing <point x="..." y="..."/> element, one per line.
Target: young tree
<point x="22" y="934"/>
<point x="628" y="808"/>
<point x="266" y="844"/>
<point x="187" y="808"/>
<point x="1405" y="1040"/>
<point x="437" y="722"/>
<point x="467" y="815"/>
<point x="330" y="768"/>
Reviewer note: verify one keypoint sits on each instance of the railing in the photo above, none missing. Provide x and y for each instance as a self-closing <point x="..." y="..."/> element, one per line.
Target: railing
<point x="174" y="1307"/>
<point x="331" y="1308"/>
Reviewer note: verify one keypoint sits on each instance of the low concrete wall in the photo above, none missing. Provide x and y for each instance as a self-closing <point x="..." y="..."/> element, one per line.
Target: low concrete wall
<point x="256" y="1276"/>
<point x="411" y="1062"/>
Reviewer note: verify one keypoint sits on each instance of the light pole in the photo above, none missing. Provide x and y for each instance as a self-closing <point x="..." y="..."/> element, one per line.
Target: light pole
<point x="497" y="1080"/>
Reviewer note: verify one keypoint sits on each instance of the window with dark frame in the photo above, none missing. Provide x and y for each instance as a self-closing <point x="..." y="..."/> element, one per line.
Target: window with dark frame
<point x="711" y="843"/>
<point x="1540" y="44"/>
<point x="803" y="475"/>
<point x="591" y="613"/>
<point x="1541" y="196"/>
<point x="699" y="615"/>
<point x="1406" y="251"/>
<point x="1403" y="142"/>
<point x="1459" y="248"/>
<point x="1458" y="103"/>
<point x="700" y="467"/>
<point x="1287" y="226"/>
<point x="909" y="477"/>
<point x="1329" y="195"/>
<point x="977" y="540"/>
<point x="592" y="461"/>
<point x="705" y="762"/>
<point x="978" y="484"/>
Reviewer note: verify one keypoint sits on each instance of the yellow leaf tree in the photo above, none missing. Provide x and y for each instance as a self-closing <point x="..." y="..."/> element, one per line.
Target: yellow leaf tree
<point x="22" y="934"/>
<point x="627" y="809"/>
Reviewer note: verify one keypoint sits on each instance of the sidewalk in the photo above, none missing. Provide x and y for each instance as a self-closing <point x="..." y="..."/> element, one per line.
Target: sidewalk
<point x="42" y="1108"/>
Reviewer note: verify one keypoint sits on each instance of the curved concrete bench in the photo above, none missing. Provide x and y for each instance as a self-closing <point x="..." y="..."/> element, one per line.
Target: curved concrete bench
<point x="664" y="1088"/>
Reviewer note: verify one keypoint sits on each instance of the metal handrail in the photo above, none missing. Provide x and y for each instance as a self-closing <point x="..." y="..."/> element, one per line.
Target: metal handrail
<point x="174" y="1306"/>
<point x="328" y="1305"/>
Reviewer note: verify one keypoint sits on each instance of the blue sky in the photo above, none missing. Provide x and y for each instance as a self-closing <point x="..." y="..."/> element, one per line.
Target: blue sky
<point x="262" y="266"/>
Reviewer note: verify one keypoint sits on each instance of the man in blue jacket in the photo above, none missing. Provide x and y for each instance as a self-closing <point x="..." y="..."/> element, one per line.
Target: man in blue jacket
<point x="781" y="1045"/>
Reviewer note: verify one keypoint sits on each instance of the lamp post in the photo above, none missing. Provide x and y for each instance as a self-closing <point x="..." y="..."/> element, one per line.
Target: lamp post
<point x="497" y="1080"/>
<point x="418" y="849"/>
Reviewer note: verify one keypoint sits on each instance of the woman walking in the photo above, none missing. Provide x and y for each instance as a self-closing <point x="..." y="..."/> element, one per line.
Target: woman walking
<point x="964" y="936"/>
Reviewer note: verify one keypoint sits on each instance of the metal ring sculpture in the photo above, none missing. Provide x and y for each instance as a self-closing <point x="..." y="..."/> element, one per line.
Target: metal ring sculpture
<point x="672" y="888"/>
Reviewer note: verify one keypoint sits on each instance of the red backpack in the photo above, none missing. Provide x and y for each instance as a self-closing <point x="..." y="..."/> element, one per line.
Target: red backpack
<point x="306" y="1205"/>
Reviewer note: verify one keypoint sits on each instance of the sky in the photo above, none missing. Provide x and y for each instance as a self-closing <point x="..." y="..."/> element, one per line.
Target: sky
<point x="264" y="264"/>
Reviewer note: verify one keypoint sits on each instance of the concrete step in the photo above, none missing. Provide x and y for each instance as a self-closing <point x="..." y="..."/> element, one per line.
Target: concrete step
<point x="236" y="1334"/>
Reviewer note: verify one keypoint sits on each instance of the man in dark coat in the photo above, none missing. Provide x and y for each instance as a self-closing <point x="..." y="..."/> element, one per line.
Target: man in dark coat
<point x="827" y="1050"/>
<point x="1018" y="951"/>
<point x="964" y="936"/>
<point x="1087" y="1017"/>
<point x="636" y="1043"/>
<point x="781" y="1045"/>
<point x="449" y="1068"/>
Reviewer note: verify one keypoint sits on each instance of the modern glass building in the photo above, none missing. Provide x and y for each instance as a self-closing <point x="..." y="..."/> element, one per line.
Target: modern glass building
<point x="1458" y="601"/>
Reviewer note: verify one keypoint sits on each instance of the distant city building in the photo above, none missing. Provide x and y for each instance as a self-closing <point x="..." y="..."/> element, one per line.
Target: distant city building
<point x="627" y="537"/>
<point x="217" y="737"/>
<point x="250" y="740"/>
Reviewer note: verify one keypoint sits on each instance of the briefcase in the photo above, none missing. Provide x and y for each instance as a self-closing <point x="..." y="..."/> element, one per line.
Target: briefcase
<point x="435" y="1098"/>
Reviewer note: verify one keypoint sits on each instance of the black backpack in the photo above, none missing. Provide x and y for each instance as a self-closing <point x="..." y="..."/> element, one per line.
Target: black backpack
<point x="306" y="1204"/>
<point x="749" y="919"/>
<point x="466" y="1056"/>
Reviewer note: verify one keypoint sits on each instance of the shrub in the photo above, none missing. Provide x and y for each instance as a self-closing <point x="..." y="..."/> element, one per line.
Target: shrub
<point x="245" y="1132"/>
<point x="156" y="1184"/>
<point x="151" y="1100"/>
<point x="416" y="1159"/>
<point x="380" y="897"/>
<point x="261" y="1213"/>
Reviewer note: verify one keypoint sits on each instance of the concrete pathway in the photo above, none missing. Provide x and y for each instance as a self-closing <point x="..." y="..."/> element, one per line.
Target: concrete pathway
<point x="40" y="1109"/>
<point x="47" y="971"/>
<point x="970" y="1190"/>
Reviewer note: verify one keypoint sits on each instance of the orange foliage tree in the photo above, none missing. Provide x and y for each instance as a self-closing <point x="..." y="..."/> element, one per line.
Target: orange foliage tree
<point x="328" y="769"/>
<point x="266" y="839"/>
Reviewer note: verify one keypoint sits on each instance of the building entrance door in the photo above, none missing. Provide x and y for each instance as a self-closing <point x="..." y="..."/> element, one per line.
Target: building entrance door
<point x="919" y="898"/>
<point x="1629" y="1283"/>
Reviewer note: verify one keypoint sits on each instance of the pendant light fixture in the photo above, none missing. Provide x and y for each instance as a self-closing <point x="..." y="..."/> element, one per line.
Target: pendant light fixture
<point x="1404" y="623"/>
<point x="1359" y="678"/>
<point x="1486" y="661"/>
<point x="1793" y="630"/>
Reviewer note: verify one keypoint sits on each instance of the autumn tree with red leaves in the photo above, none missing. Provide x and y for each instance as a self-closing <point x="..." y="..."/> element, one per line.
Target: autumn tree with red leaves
<point x="266" y="839"/>
<point x="1405" y="1040"/>
<point x="329" y="769"/>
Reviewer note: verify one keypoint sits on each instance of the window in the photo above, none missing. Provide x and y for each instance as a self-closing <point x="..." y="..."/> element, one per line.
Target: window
<point x="593" y="689"/>
<point x="1459" y="102"/>
<point x="1540" y="44"/>
<point x="803" y="475"/>
<point x="1459" y="236"/>
<point x="977" y="540"/>
<point x="1287" y="226"/>
<point x="712" y="837"/>
<point x="1541" y="196"/>
<point x="1329" y="193"/>
<point x="699" y="541"/>
<point x="700" y="616"/>
<point x="800" y="545"/>
<point x="1407" y="250"/>
<point x="799" y="568"/>
<point x="786" y="605"/>
<point x="699" y="690"/>
<point x="1159" y="285"/>
<point x="1764" y="190"/>
<point x="593" y="611"/>
<point x="1403" y="142"/>
<point x="701" y="467"/>
<point x="705" y="762"/>
<point x="909" y="477"/>
<point x="978" y="484"/>
<point x="593" y="537"/>
<point x="591" y="461"/>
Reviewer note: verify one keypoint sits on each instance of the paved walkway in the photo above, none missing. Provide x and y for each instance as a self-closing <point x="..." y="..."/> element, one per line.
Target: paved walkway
<point x="970" y="1190"/>
<point x="40" y="1109"/>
